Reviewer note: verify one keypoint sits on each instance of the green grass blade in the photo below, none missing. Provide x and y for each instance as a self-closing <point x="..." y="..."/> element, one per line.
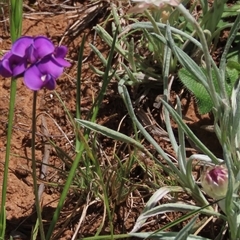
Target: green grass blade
<point x="155" y="198"/>
<point x="184" y="232"/>
<point x="106" y="79"/>
<point x="16" y="7"/>
<point x="112" y="134"/>
<point x="15" y="32"/>
<point x="180" y="207"/>
<point x="109" y="40"/>
<point x="78" y="95"/>
<point x="176" y="207"/>
<point x="99" y="54"/>
<point x="83" y="145"/>
<point x="165" y="236"/>
<point x="65" y="192"/>
<point x="162" y="26"/>
<point x="189" y="132"/>
<point x="7" y="157"/>
<point x="235" y="102"/>
<point x="107" y="237"/>
<point x="124" y="93"/>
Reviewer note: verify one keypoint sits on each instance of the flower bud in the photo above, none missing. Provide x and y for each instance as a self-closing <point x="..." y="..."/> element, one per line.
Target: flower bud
<point x="215" y="182"/>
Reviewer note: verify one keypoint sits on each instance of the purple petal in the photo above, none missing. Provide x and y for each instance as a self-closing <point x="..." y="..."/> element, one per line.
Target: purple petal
<point x="48" y="65"/>
<point x="50" y="84"/>
<point x="62" y="62"/>
<point x="31" y="54"/>
<point x="17" y="64"/>
<point x="43" y="46"/>
<point x="19" y="69"/>
<point x="12" y="65"/>
<point x="60" y="53"/>
<point x="5" y="69"/>
<point x="21" y="45"/>
<point x="33" y="78"/>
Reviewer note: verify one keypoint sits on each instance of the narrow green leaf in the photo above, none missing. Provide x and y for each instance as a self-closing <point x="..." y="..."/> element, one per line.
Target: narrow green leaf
<point x="157" y="196"/>
<point x="109" y="40"/>
<point x="189" y="132"/>
<point x="178" y="207"/>
<point x="110" y="133"/>
<point x="186" y="61"/>
<point x="235" y="102"/>
<point x="233" y="32"/>
<point x="99" y="54"/>
<point x="78" y="95"/>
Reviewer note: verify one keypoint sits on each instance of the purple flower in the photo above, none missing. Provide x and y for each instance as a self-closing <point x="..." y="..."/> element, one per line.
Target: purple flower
<point x="37" y="60"/>
<point x="25" y="51"/>
<point x="46" y="71"/>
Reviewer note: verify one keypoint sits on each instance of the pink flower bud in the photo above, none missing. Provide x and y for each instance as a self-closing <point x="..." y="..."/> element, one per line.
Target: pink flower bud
<point x="215" y="182"/>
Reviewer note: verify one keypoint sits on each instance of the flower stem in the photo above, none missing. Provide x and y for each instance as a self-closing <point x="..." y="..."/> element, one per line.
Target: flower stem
<point x="34" y="167"/>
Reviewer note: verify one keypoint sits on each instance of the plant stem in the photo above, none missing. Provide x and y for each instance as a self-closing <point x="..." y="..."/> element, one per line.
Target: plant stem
<point x="34" y="167"/>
